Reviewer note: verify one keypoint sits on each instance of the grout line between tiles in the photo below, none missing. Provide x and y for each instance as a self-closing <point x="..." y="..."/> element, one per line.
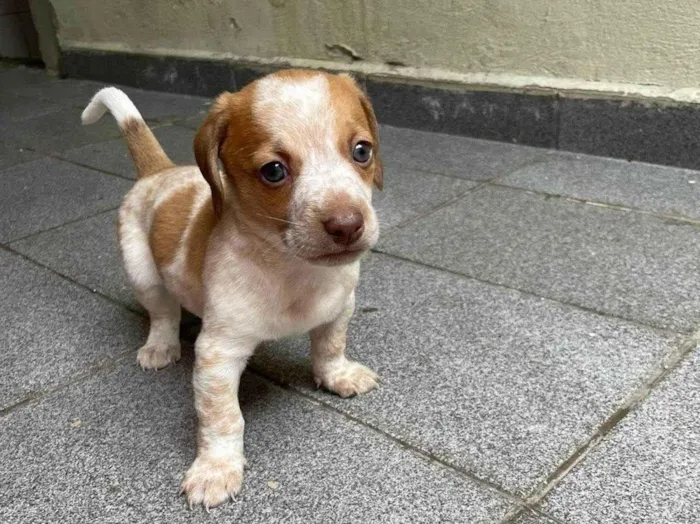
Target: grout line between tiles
<point x="424" y="454"/>
<point x="660" y="329"/>
<point x="75" y="378"/>
<point x="53" y="228"/>
<point x="662" y="369"/>
<point x="596" y="203"/>
<point x="501" y="182"/>
<point x="420" y="216"/>
<point x="71" y="280"/>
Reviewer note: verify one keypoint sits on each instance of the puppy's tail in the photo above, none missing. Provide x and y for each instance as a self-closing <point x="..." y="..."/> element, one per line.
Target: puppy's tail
<point x="147" y="153"/>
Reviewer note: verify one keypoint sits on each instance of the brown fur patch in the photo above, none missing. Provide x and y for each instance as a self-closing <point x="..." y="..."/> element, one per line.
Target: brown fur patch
<point x="170" y="221"/>
<point x="245" y="148"/>
<point x="198" y="240"/>
<point x="356" y="123"/>
<point x="233" y="133"/>
<point x="148" y="155"/>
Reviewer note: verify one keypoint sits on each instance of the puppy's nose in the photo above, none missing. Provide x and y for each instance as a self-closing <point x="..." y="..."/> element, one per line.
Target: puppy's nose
<point x="345" y="228"/>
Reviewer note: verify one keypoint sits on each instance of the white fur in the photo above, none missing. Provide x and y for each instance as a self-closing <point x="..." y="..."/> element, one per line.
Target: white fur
<point x="255" y="287"/>
<point x="114" y="100"/>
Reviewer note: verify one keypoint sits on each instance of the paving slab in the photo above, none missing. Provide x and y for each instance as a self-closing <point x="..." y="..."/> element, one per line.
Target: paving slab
<point x="453" y="155"/>
<point x="533" y="519"/>
<point x="648" y="468"/>
<point x="192" y="122"/>
<point x="87" y="252"/>
<point x="53" y="329"/>
<point x="152" y="105"/>
<point x="57" y="131"/>
<point x="11" y="154"/>
<point x="120" y="442"/>
<point x="14" y="109"/>
<point x="46" y="193"/>
<point x="113" y="156"/>
<point x="645" y="186"/>
<point x="629" y="264"/>
<point x="408" y="194"/>
<point x="21" y="77"/>
<point x="499" y="383"/>
<point x="65" y="92"/>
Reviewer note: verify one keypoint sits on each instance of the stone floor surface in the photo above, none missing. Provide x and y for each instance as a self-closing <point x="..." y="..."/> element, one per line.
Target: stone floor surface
<point x="532" y="314"/>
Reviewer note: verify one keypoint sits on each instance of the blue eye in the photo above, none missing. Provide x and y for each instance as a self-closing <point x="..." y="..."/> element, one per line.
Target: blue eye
<point x="273" y="172"/>
<point x="362" y="152"/>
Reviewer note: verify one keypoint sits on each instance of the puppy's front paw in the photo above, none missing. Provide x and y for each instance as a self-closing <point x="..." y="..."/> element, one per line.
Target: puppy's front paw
<point x="348" y="380"/>
<point x="212" y="481"/>
<point x="152" y="356"/>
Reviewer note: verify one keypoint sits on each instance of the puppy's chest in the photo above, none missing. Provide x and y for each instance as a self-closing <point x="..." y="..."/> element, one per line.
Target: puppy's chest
<point x="309" y="302"/>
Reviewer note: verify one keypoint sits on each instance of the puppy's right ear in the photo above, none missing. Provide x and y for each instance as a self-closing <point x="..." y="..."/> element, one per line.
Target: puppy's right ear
<point x="207" y="145"/>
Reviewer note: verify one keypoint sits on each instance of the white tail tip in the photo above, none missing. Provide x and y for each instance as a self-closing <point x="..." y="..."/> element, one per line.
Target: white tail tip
<point x="114" y="100"/>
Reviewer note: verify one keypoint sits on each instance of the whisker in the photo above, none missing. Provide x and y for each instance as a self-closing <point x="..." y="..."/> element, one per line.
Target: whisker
<point x="278" y="219"/>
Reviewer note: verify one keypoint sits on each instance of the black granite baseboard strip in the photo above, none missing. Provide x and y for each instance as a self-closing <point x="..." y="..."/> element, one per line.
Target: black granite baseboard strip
<point x="649" y="132"/>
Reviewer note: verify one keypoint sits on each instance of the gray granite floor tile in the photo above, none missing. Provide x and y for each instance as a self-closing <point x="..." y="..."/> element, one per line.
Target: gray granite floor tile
<point x="453" y="155"/>
<point x="11" y="155"/>
<point x="53" y="329"/>
<point x="533" y="518"/>
<point x="645" y="186"/>
<point x="66" y="92"/>
<point x="502" y="384"/>
<point x="628" y="264"/>
<point x="192" y="122"/>
<point x="57" y="131"/>
<point x="113" y="155"/>
<point x="14" y="109"/>
<point x="407" y="194"/>
<point x="152" y="105"/>
<point x="46" y="193"/>
<point x="120" y="442"/>
<point x="648" y="468"/>
<point x="16" y="78"/>
<point x="87" y="252"/>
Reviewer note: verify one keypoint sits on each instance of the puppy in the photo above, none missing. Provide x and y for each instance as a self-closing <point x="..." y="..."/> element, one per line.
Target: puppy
<point x="266" y="246"/>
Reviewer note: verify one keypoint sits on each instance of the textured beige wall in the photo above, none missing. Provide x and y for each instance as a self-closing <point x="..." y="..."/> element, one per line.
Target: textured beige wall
<point x="628" y="41"/>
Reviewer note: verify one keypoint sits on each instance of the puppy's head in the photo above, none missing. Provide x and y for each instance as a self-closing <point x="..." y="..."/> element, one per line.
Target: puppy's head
<point x="299" y="151"/>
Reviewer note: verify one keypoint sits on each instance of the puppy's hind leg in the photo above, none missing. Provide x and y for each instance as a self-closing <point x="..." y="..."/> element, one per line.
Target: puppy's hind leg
<point x="163" y="344"/>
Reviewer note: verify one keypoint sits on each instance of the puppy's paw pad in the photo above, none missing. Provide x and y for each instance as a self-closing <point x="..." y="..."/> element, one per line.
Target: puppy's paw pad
<point x="351" y="379"/>
<point x="211" y="482"/>
<point x="152" y="356"/>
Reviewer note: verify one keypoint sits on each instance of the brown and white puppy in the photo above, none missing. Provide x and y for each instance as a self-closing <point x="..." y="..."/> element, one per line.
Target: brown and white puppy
<point x="265" y="248"/>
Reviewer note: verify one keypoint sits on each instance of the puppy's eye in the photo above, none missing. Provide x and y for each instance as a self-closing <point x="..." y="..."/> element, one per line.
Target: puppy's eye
<point x="362" y="152"/>
<point x="273" y="173"/>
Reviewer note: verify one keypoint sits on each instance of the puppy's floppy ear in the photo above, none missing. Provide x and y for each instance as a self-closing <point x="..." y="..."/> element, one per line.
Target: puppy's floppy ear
<point x="207" y="145"/>
<point x="372" y="119"/>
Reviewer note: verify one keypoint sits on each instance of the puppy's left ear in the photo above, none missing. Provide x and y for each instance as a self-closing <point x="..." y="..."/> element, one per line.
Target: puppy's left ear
<point x="207" y="145"/>
<point x="372" y="120"/>
<point x="369" y="113"/>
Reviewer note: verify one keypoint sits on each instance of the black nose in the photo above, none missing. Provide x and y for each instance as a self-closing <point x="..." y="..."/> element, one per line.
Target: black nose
<point x="345" y="228"/>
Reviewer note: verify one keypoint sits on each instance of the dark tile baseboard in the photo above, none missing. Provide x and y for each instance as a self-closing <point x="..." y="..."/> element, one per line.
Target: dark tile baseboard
<point x="648" y="132"/>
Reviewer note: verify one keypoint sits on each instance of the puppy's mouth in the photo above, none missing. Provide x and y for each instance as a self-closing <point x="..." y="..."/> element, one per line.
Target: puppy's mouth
<point x="337" y="259"/>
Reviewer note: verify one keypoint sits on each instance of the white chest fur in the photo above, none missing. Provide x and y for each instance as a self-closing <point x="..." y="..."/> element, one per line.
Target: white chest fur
<point x="267" y="302"/>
